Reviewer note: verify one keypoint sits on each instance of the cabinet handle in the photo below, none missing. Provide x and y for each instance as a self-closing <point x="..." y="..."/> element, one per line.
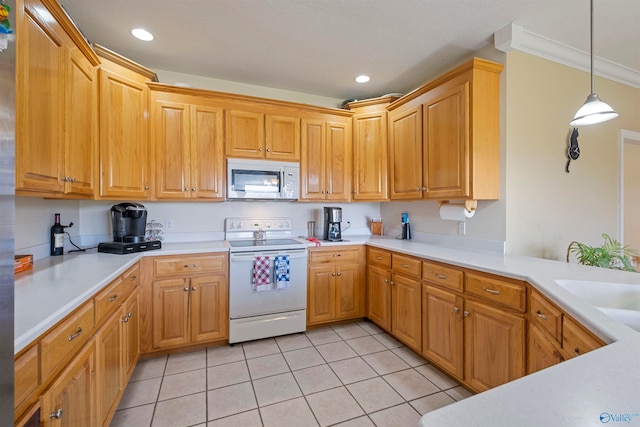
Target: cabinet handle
<point x="540" y="315"/>
<point x="57" y="415"/>
<point x="146" y="187"/>
<point x="491" y="291"/>
<point x="441" y="276"/>
<point x="417" y="188"/>
<point x="73" y="180"/>
<point x="576" y="351"/>
<point x="456" y="309"/>
<point x="339" y="274"/>
<point x="333" y="274"/>
<point x="186" y="289"/>
<point x="335" y="255"/>
<point x="76" y="335"/>
<point x="125" y="319"/>
<point x="64" y="178"/>
<point x="113" y="297"/>
<point x="392" y="283"/>
<point x="466" y="313"/>
<point x="193" y="189"/>
<point x="424" y="188"/>
<point x="260" y="149"/>
<point x="194" y="289"/>
<point x="132" y="278"/>
<point x="186" y="188"/>
<point x="379" y="258"/>
<point x="190" y="265"/>
<point x="386" y="280"/>
<point x="269" y="149"/>
<point x="404" y="265"/>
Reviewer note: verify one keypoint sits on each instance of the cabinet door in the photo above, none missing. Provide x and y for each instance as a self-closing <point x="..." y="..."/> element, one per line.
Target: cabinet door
<point x="282" y="138"/>
<point x="313" y="160"/>
<point x="494" y="346"/>
<point x="349" y="292"/>
<point x="109" y="367"/>
<point x="442" y="338"/>
<point x="406" y="311"/>
<point x="338" y="162"/>
<point x="370" y="160"/>
<point x="209" y="314"/>
<point x="244" y="134"/>
<point x="207" y="159"/>
<point x="170" y="303"/>
<point x="405" y="153"/>
<point x="170" y="136"/>
<point x="541" y="352"/>
<point x="446" y="142"/>
<point x="80" y="126"/>
<point x="576" y="340"/>
<point x="130" y="317"/>
<point x="379" y="297"/>
<point x="39" y="102"/>
<point x="70" y="401"/>
<point x="124" y="153"/>
<point x="321" y="298"/>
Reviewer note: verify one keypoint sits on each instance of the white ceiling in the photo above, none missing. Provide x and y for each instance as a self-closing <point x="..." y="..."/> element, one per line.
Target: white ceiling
<point x="319" y="46"/>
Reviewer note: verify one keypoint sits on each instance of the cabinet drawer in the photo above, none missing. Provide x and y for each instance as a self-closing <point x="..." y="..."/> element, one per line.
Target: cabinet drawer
<point x="335" y="255"/>
<point x="379" y="257"/>
<point x="546" y="315"/>
<point x="131" y="279"/>
<point x="576" y="340"/>
<point x="26" y="375"/>
<point x="510" y="294"/>
<point x="181" y="265"/>
<point x="445" y="276"/>
<point x="64" y="341"/>
<point x="109" y="299"/>
<point x="406" y="265"/>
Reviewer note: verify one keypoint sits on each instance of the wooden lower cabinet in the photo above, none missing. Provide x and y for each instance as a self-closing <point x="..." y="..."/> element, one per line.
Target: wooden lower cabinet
<point x="379" y="297"/>
<point x="442" y="332"/>
<point x="189" y="310"/>
<point x="70" y="401"/>
<point x="130" y="318"/>
<point x="406" y="310"/>
<point x="109" y="373"/>
<point x="541" y="352"/>
<point x="494" y="346"/>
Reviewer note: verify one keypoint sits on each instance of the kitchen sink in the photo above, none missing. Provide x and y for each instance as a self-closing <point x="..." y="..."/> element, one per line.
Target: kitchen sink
<point x="617" y="300"/>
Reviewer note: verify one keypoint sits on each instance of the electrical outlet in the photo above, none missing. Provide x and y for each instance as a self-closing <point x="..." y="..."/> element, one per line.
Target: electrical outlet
<point x="168" y="224"/>
<point x="462" y="227"/>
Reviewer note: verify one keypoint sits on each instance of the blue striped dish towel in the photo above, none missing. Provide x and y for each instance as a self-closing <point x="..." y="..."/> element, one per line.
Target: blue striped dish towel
<point x="282" y="266"/>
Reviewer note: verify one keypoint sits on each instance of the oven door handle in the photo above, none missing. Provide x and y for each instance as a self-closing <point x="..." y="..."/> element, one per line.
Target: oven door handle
<point x="251" y="256"/>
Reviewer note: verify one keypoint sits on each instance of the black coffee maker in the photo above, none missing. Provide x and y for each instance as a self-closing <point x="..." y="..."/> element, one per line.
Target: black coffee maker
<point x="332" y="224"/>
<point x="128" y="222"/>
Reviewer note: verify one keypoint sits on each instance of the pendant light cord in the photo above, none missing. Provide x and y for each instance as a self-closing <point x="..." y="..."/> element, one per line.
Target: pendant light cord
<point x="591" y="47"/>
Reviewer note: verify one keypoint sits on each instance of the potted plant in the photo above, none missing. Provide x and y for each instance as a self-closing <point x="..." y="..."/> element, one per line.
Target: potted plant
<point x="610" y="255"/>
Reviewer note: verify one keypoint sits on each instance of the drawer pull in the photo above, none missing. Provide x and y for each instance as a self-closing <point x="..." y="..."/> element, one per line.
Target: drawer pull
<point x="76" y="335"/>
<point x="132" y="278"/>
<point x="404" y="265"/>
<point x="386" y="280"/>
<point x="540" y="315"/>
<point x="336" y="255"/>
<point x="333" y="274"/>
<point x="466" y="313"/>
<point x="339" y="274"/>
<point x="125" y="319"/>
<point x="491" y="291"/>
<point x="576" y="351"/>
<point x="113" y="297"/>
<point x="456" y="309"/>
<point x="57" y="415"/>
<point x="392" y="283"/>
<point x="190" y="265"/>
<point x="441" y="276"/>
<point x="194" y="289"/>
<point x="379" y="258"/>
<point x="186" y="289"/>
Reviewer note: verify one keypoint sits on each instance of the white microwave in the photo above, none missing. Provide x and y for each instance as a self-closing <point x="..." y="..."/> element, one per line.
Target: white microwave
<point x="262" y="180"/>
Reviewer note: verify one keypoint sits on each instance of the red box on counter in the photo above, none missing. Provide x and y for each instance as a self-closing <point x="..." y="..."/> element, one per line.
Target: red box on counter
<point x="22" y="263"/>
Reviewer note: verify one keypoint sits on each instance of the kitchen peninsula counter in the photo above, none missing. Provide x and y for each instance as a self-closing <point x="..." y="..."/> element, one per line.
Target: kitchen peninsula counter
<point x="57" y="285"/>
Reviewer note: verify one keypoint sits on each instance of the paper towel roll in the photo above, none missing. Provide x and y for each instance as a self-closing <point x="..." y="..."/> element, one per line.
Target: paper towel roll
<point x="455" y="212"/>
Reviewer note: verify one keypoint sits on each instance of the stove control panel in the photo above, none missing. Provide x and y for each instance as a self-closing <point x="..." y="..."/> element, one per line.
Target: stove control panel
<point x="253" y="224"/>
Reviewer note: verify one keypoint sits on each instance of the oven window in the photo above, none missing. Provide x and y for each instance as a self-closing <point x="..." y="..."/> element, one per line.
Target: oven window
<point x="256" y="181"/>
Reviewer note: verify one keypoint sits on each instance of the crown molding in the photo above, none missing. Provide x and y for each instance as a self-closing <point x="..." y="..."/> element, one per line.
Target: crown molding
<point x="514" y="36"/>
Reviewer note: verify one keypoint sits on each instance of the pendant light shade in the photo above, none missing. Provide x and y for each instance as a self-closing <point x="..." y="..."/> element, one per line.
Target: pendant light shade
<point x="594" y="110"/>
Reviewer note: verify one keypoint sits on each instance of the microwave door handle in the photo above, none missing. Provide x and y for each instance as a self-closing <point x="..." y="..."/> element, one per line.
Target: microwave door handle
<point x="281" y="182"/>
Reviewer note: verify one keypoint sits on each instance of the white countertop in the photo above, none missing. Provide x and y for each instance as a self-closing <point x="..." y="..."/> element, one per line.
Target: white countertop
<point x="573" y="393"/>
<point x="57" y="285"/>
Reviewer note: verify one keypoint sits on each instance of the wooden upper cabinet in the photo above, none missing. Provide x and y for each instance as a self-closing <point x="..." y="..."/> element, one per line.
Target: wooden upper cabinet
<point x="56" y="105"/>
<point x="187" y="140"/>
<point x="405" y="153"/>
<point x="325" y="165"/>
<point x="244" y="134"/>
<point x="370" y="145"/>
<point x="458" y="141"/>
<point x="446" y="142"/>
<point x="282" y="138"/>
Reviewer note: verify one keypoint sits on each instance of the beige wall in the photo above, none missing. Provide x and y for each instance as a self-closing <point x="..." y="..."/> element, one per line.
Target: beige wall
<point x="547" y="208"/>
<point x="631" y="174"/>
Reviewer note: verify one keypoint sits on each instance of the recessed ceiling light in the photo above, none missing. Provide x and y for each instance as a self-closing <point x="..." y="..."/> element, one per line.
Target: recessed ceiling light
<point x="362" y="78"/>
<point x="142" y="34"/>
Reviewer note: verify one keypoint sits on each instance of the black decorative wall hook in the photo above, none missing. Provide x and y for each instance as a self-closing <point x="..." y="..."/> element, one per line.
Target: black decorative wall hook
<point x="573" y="152"/>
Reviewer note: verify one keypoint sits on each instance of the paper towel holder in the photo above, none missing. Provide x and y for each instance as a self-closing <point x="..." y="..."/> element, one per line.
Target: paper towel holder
<point x="469" y="204"/>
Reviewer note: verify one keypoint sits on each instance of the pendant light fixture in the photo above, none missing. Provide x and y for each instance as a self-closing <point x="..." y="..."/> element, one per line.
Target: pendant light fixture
<point x="594" y="110"/>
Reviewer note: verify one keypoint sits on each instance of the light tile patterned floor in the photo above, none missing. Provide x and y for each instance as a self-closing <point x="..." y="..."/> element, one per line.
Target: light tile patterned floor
<point x="349" y="375"/>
